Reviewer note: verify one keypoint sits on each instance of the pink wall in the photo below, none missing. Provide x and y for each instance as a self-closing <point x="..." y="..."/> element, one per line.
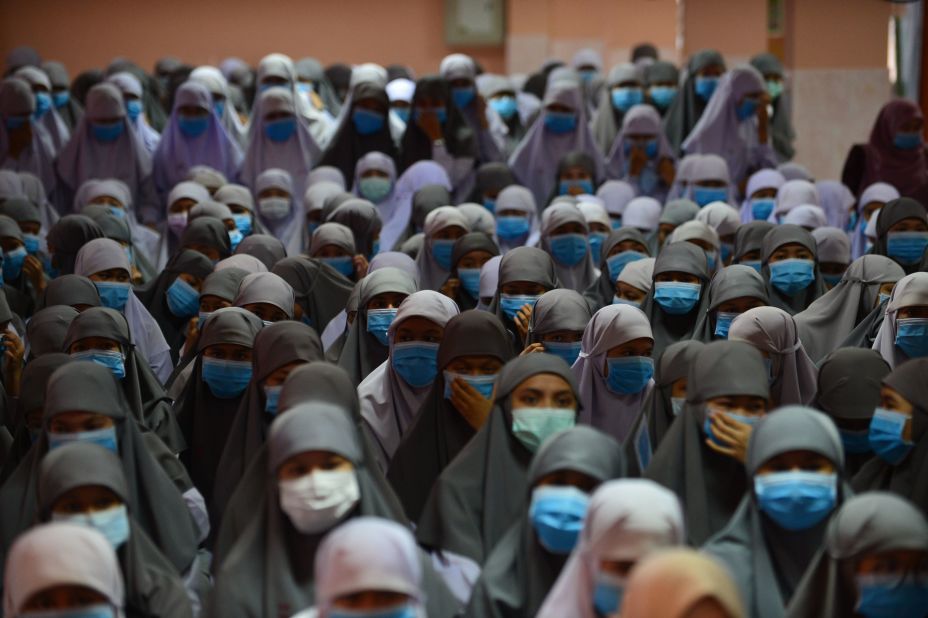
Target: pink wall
<point x="737" y="28"/>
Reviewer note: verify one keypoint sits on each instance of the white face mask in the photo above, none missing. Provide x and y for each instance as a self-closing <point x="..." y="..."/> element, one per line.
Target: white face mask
<point x="177" y="222"/>
<point x="274" y="208"/>
<point x="317" y="501"/>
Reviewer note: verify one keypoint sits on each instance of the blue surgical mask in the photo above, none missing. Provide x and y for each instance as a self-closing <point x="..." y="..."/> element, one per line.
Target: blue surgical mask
<point x="907" y="141"/>
<point x="441" y="251"/>
<point x="585" y="185"/>
<point x="226" y="378"/>
<point x="587" y="75"/>
<point x="723" y="321"/>
<point x="906" y="247"/>
<point x="183" y="299"/>
<point x="629" y="374"/>
<point x="624" y="301"/>
<point x="470" y="281"/>
<point x="243" y="223"/>
<point x="192" y="126"/>
<point x="367" y="121"/>
<point x="710" y="259"/>
<point x="608" y="593"/>
<point x="506" y="107"/>
<point x="105" y="437"/>
<point x="675" y="297"/>
<point x="219" y="108"/>
<point x="568" y="350"/>
<point x="113" y="294"/>
<point x="796" y="499"/>
<point x="490" y="204"/>
<point x="378" y="323"/>
<point x="886" y="431"/>
<point x="911" y="336"/>
<point x="616" y="221"/>
<point x="201" y="319"/>
<point x="43" y="103"/>
<point x="511" y="303"/>
<point x="235" y="237"/>
<point x="305" y="87"/>
<point x="134" y="110"/>
<point x="855" y="442"/>
<point x="755" y="264"/>
<point x="402" y="113"/>
<point x="596" y="240"/>
<point x="13" y="263"/>
<point x="117" y="212"/>
<point x="619" y="261"/>
<point x="560" y="123"/>
<point x="404" y="610"/>
<point x="852" y="222"/>
<point x="512" y="228"/>
<point x="107" y="132"/>
<point x="32" y="243"/>
<point x="746" y="109"/>
<point x="61" y="98"/>
<point x="792" y="276"/>
<point x="624" y="98"/>
<point x="112" y="523"/>
<point x="111" y="359"/>
<point x="726" y="249"/>
<point x="761" y="207"/>
<point x="832" y="280"/>
<point x="532" y="426"/>
<point x="280" y="130"/>
<point x="662" y="96"/>
<point x="883" y="595"/>
<point x="568" y="249"/>
<point x="375" y="188"/>
<point x="557" y="513"/>
<point x="271" y="397"/>
<point x="342" y="263"/>
<point x="482" y="384"/>
<point x="705" y="86"/>
<point x="416" y="362"/>
<point x="463" y="96"/>
<point x="704" y="196"/>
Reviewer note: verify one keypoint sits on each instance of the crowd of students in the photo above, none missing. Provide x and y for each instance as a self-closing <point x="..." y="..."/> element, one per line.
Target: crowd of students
<point x="347" y="343"/>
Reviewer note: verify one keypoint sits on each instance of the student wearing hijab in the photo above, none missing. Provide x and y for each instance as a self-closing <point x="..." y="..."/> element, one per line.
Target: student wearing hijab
<point x="71" y="290"/>
<point x="193" y="136"/>
<point x="838" y="203"/>
<point x="83" y="404"/>
<point x="679" y="294"/>
<point x="242" y="204"/>
<point x="849" y="391"/>
<point x="535" y="397"/>
<point x="379" y="297"/>
<point x="443" y="227"/>
<point x="104" y="146"/>
<point x="21" y="272"/>
<point x="623" y="89"/>
<point x="675" y="213"/>
<point x="703" y="236"/>
<point x="760" y="195"/>
<point x="709" y="180"/>
<point x="701" y="457"/>
<point x="315" y="477"/>
<point x="67" y="107"/>
<point x="732" y="291"/>
<point x="870" y="563"/>
<point x="789" y="264"/>
<point x="561" y="129"/>
<point x="515" y="108"/>
<point x="24" y="144"/>
<point x="46" y="114"/>
<point x="703" y="72"/>
<point x="491" y="178"/>
<point x="557" y="323"/>
<point x="902" y="233"/>
<point x="834" y="316"/>
<point x="564" y="236"/>
<point x="278" y="350"/>
<point x="641" y="154"/>
<point x="459" y="71"/>
<point x="902" y="335"/>
<point x="781" y="128"/>
<point x="791" y="372"/>
<point x="375" y="180"/>
<point x="616" y="194"/>
<point x="220" y="375"/>
<point x="472" y="352"/>
<point x="871" y="200"/>
<point x="775" y="533"/>
<point x="625" y="520"/>
<point x="66" y="238"/>
<point x="361" y="217"/>
<point x="516" y="218"/>
<point x="65" y="568"/>
<point x="894" y="154"/>
<point x="749" y="242"/>
<point x="661" y="78"/>
<point x="334" y="244"/>
<point x="102" y="336"/>
<point x="275" y="189"/>
<point x="525" y="564"/>
<point x="84" y="484"/>
<point x="267" y="296"/>
<point x="834" y="250"/>
<point x="468" y="255"/>
<point x="105" y="263"/>
<point x="621" y="248"/>
<point x="614" y="369"/>
<point x="132" y="93"/>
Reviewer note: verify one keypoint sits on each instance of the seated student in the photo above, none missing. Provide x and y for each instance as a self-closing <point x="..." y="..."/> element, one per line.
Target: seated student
<point x="564" y="236"/>
<point x="524" y="274"/>
<point x="760" y="195"/>
<point x="63" y="568"/>
<point x="527" y="560"/>
<point x="363" y="219"/>
<point x="621" y="247"/>
<point x="558" y="320"/>
<point x="903" y="335"/>
<point x="701" y="459"/>
<point x="641" y="154"/>
<point x="872" y="562"/>
<point x="443" y="226"/>
<point x="516" y="218"/>
<point x="267" y="296"/>
<point x="634" y="283"/>
<point x="902" y="233"/>
<point x="732" y="291"/>
<point x="468" y="255"/>
<point x="626" y="520"/>
<point x="871" y="200"/>
<point x="709" y="180"/>
<point x="333" y="244"/>
<point x="897" y="435"/>
<point x="789" y="265"/>
<point x="703" y="72"/>
<point x="796" y="464"/>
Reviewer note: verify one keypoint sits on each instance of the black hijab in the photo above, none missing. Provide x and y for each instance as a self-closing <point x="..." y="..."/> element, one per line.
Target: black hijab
<point x="320" y="290"/>
<point x="460" y="140"/>
<point x="66" y="238"/>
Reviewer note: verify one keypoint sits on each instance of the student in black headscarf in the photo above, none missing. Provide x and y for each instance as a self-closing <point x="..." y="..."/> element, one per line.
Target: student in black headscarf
<point x="472" y="352"/>
<point x="702" y="76"/>
<point x="796" y="465"/>
<point x="66" y="238"/>
<point x="666" y="400"/>
<point x="320" y="291"/>
<point x="732" y="291"/>
<point x="789" y="258"/>
<point x="902" y="233"/>
<point x="70" y="290"/>
<point x="701" y="458"/>
<point x="479" y="495"/>
<point x="490" y="180"/>
<point x="556" y="326"/>
<point x="209" y="236"/>
<point x="526" y="562"/>
<point x="468" y="255"/>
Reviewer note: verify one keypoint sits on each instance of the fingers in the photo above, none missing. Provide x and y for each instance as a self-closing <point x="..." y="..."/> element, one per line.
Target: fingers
<point x="533" y="348"/>
<point x="724" y="450"/>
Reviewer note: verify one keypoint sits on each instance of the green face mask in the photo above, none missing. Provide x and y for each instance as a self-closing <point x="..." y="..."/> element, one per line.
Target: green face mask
<point x="774" y="88"/>
<point x="532" y="426"/>
<point x="375" y="188"/>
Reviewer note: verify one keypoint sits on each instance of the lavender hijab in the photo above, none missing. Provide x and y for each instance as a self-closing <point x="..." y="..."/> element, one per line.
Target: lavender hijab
<point x="418" y="175"/>
<point x="389" y="207"/>
<point x="877" y="192"/>
<point x="640" y="120"/>
<point x="38" y="157"/>
<point x="289" y="229"/>
<point x="759" y="180"/>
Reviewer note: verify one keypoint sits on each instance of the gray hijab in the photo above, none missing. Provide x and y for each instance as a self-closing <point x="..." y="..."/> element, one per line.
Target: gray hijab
<point x="749" y="237"/>
<point x="558" y="310"/>
<point x="607" y="119"/>
<point x="522" y="264"/>
<point x="729" y="283"/>
<point x="710" y="485"/>
<point x="321" y="291"/>
<point x="765" y="560"/>
<point x="46" y="331"/>
<point x="687" y="107"/>
<point x="578" y="277"/>
<point x="519" y="572"/>
<point x="833" y="316"/>
<point x="265" y="247"/>
<point x="865" y="525"/>
<point x="658" y="410"/>
<point x="602" y="290"/>
<point x="777" y="237"/>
